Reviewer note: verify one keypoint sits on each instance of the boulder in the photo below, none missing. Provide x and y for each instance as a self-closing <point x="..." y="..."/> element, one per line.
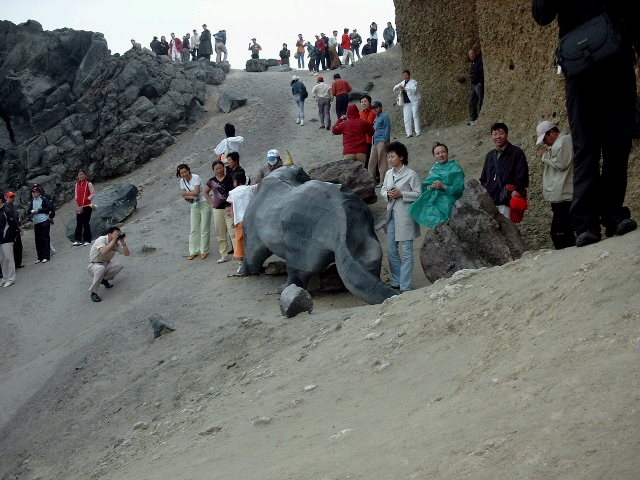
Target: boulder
<point x="349" y="173"/>
<point x="256" y="65"/>
<point x="356" y="95"/>
<point x="230" y="100"/>
<point x="476" y="236"/>
<point x="295" y="300"/>
<point x="112" y="206"/>
<point x="368" y="87"/>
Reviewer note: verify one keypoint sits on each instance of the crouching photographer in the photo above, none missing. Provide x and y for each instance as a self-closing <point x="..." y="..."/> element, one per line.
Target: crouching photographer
<point x="101" y="268"/>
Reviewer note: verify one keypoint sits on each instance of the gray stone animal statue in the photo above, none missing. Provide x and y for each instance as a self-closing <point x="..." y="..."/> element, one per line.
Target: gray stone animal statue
<point x="312" y="224"/>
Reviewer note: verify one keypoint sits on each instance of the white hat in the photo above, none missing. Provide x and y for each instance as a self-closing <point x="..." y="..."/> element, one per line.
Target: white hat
<point x="295" y="77"/>
<point x="272" y="156"/>
<point x="542" y="129"/>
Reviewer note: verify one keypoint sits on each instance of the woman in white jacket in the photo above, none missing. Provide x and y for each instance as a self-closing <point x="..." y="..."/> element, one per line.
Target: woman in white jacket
<point x="400" y="188"/>
<point x="410" y="101"/>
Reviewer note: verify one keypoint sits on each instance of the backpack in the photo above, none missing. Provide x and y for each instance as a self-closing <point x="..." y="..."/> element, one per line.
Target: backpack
<point x="303" y="91"/>
<point x="223" y="36"/>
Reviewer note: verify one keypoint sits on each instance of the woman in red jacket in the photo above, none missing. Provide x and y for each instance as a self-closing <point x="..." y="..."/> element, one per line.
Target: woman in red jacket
<point x="84" y="201"/>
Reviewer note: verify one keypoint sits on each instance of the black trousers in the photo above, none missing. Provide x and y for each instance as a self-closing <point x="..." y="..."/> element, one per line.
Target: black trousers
<point x="561" y="232"/>
<point x="601" y="108"/>
<point x="342" y="102"/>
<point x="17" y="250"/>
<point x="83" y="228"/>
<point x="43" y="240"/>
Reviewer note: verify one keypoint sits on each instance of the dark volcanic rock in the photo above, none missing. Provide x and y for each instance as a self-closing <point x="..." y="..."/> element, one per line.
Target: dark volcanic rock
<point x="230" y="100"/>
<point x="477" y="236"/>
<point x="349" y="173"/>
<point x="295" y="300"/>
<point x="68" y="104"/>
<point x="256" y="65"/>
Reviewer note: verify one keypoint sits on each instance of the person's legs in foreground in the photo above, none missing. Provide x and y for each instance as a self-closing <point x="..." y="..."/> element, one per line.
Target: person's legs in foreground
<point x="561" y="232"/>
<point x="7" y="265"/>
<point x="221" y="232"/>
<point x="101" y="273"/>
<point x="205" y="228"/>
<point x="392" y="252"/>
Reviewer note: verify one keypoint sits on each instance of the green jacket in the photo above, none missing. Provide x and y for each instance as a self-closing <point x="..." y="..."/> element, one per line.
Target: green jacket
<point x="434" y="206"/>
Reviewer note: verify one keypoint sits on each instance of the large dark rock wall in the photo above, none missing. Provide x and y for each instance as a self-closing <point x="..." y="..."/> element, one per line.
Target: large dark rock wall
<point x="68" y="104"/>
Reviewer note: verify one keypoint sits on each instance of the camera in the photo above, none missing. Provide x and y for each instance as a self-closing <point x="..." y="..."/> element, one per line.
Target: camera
<point x="122" y="235"/>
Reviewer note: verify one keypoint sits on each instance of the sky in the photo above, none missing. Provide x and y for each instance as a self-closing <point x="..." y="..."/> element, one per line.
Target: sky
<point x="270" y="22"/>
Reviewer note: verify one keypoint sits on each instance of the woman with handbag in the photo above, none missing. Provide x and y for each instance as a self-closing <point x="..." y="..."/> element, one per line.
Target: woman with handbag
<point x="192" y="190"/>
<point x="216" y="193"/>
<point x="401" y="187"/>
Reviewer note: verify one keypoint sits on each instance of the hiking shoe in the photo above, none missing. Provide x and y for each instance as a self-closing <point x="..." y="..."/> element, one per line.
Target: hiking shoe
<point x="75" y="244"/>
<point x="106" y="284"/>
<point x="623" y="226"/>
<point x="587" y="238"/>
<point x="222" y="260"/>
<point x="95" y="297"/>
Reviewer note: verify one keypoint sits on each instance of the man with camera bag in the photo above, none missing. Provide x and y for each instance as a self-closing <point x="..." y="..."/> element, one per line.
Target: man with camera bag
<point x="101" y="268"/>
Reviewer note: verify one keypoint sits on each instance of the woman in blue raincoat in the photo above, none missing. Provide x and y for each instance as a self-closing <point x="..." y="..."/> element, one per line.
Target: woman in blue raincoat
<point x="440" y="190"/>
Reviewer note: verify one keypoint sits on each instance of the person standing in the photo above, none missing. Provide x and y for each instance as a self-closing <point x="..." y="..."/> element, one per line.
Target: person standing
<point x="163" y="48"/>
<point x="205" y="49"/>
<point x="239" y="199"/>
<point x="347" y="54"/>
<point x="389" y="35"/>
<point x="368" y="115"/>
<point x="84" y="207"/>
<point x="325" y="59"/>
<point x="340" y="89"/>
<point x="17" y="243"/>
<point x="599" y="99"/>
<point x="285" y="54"/>
<point x="557" y="181"/>
<point x="8" y="232"/>
<point x="378" y="163"/>
<point x="300" y="50"/>
<point x="299" y="91"/>
<point x="40" y="207"/>
<point x="321" y="93"/>
<point x="217" y="192"/>
<point x="505" y="173"/>
<point x="410" y="103"/>
<point x="255" y="49"/>
<point x="186" y="47"/>
<point x="356" y="41"/>
<point x="332" y="51"/>
<point x="477" y="86"/>
<point x="373" y="31"/>
<point x="101" y="268"/>
<point x="401" y="187"/>
<point x="221" y="46"/>
<point x="192" y="190"/>
<point x="155" y="45"/>
<point x="175" y="48"/>
<point x="195" y="43"/>
<point x="231" y="143"/>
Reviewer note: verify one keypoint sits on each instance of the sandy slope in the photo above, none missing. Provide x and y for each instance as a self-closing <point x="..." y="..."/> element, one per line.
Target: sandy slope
<point x="529" y="370"/>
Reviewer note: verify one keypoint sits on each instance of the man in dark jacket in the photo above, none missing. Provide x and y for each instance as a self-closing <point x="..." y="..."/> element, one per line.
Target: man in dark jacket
<point x="505" y="173"/>
<point x="477" y="86"/>
<point x="155" y="45"/>
<point x="601" y="108"/>
<point x="17" y="243"/>
<point x="205" y="49"/>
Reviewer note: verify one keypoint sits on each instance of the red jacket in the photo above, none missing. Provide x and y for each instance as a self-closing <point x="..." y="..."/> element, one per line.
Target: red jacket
<point x="354" y="131"/>
<point x="368" y="116"/>
<point x="321" y="45"/>
<point x="346" y="42"/>
<point x="178" y="43"/>
<point x="340" y="87"/>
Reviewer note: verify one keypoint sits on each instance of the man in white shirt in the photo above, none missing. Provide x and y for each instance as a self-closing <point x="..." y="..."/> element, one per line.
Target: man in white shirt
<point x="101" y="268"/>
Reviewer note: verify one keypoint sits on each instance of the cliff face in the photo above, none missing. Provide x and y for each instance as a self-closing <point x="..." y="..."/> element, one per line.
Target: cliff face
<point x="522" y="86"/>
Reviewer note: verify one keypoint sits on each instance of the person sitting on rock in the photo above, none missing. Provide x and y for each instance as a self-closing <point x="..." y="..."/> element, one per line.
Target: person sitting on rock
<point x="135" y="45"/>
<point x="285" y="53"/>
<point x="255" y="49"/>
<point x="367" y="49"/>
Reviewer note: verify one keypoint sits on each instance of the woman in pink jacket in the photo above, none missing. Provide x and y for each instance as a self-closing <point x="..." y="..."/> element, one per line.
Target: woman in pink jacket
<point x="84" y="207"/>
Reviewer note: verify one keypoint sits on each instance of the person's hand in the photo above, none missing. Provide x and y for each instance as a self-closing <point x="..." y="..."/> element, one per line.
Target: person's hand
<point x="515" y="194"/>
<point x="542" y="151"/>
<point x="437" y="185"/>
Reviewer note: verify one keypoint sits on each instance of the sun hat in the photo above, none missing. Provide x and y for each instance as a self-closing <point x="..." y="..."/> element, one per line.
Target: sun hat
<point x="542" y="129"/>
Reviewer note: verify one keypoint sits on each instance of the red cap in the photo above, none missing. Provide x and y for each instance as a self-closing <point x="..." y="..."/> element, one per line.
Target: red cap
<point x="10" y="195"/>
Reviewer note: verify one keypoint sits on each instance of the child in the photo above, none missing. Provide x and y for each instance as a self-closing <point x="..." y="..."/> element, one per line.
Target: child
<point x="239" y="198"/>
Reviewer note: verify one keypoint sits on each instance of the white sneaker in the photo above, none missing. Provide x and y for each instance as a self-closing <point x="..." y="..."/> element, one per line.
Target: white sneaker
<point x="302" y="122"/>
<point x="38" y="261"/>
<point x="239" y="267"/>
<point x="298" y="120"/>
<point x="410" y="135"/>
<point x="45" y="260"/>
<point x="86" y="243"/>
<point x="75" y="244"/>
<point x="471" y="123"/>
<point x="8" y="284"/>
<point x="222" y="260"/>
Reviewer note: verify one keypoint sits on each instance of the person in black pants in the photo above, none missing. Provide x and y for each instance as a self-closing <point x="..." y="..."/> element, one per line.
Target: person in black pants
<point x="600" y="104"/>
<point x="17" y="244"/>
<point x="40" y="207"/>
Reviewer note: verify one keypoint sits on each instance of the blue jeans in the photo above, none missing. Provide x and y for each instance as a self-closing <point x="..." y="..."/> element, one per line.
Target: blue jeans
<point x="301" y="60"/>
<point x="300" y="104"/>
<point x="401" y="268"/>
